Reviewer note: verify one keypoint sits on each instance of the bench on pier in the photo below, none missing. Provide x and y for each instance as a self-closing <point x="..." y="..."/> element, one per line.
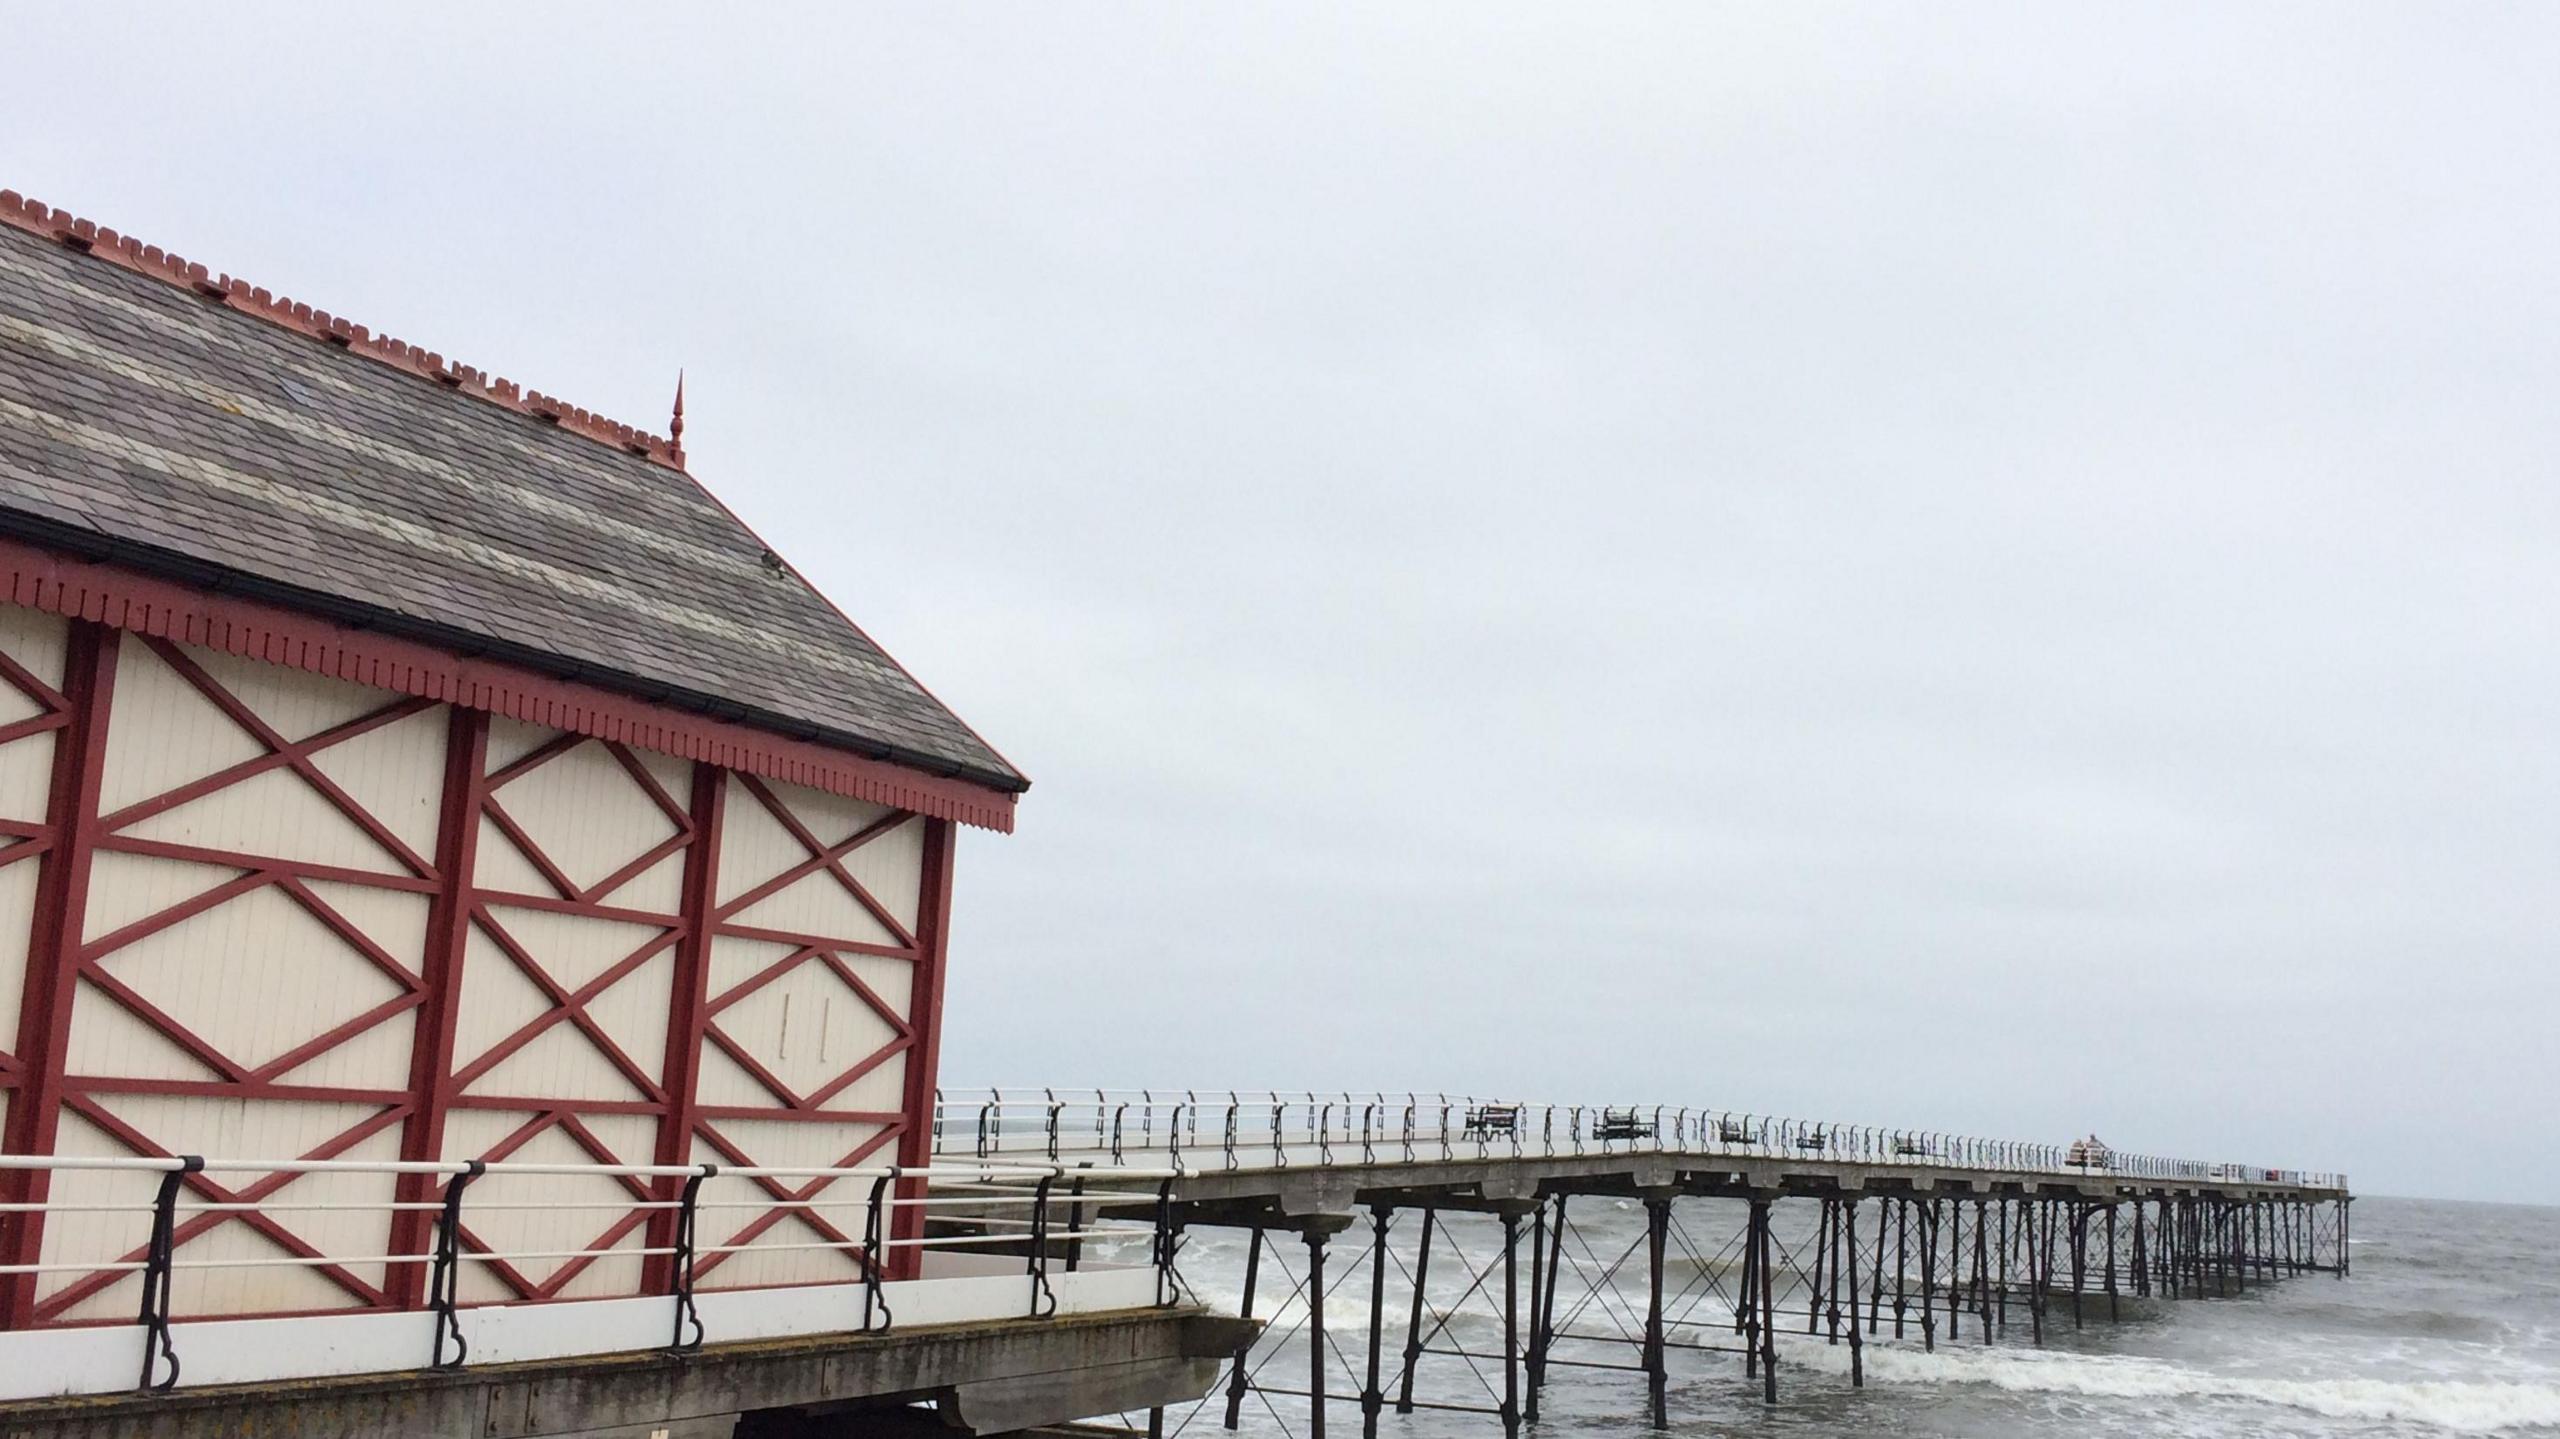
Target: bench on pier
<point x="1814" y="1139"/>
<point x="1734" y="1131"/>
<point x="1484" y="1121"/>
<point x="1622" y="1124"/>
<point x="1915" y="1148"/>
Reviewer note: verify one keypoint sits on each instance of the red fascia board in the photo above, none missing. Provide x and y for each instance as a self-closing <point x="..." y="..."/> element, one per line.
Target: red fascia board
<point x="122" y="599"/>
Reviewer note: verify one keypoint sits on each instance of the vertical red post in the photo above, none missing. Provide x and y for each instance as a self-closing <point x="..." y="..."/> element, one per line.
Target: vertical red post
<point x="466" y="768"/>
<point x="53" y="948"/>
<point x="924" y="1011"/>
<point x="689" y="996"/>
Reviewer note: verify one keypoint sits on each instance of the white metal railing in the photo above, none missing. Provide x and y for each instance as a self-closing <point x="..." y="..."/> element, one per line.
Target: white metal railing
<point x="1046" y="1213"/>
<point x="1200" y="1130"/>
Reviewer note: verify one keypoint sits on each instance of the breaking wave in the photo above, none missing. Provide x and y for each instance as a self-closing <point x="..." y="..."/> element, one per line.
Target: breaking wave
<point x="2453" y="1405"/>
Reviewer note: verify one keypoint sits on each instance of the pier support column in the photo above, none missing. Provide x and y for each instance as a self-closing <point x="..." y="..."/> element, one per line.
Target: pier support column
<point x="1511" y="1323"/>
<point x="1316" y="1236"/>
<point x="1236" y="1376"/>
<point x="1413" y="1326"/>
<point x="1373" y="1397"/>
<point x="2112" y="1313"/>
<point x="1768" y="1335"/>
<point x="1657" y="1214"/>
<point x="1542" y="1329"/>
<point x="1857" y="1341"/>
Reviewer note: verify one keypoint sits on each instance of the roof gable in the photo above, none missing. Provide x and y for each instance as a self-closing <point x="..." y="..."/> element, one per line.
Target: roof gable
<point x="154" y="418"/>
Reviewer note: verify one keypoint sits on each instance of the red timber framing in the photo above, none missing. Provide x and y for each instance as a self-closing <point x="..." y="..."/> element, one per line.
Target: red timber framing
<point x="474" y="925"/>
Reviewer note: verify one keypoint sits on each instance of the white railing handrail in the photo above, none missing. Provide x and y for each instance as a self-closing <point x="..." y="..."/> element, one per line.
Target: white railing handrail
<point x="1227" y="1129"/>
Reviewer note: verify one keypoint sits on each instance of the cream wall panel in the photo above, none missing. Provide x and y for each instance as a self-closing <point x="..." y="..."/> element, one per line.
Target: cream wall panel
<point x="124" y="888"/>
<point x="40" y="643"/>
<point x="294" y="703"/>
<point x="276" y="814"/>
<point x="600" y="1201"/>
<point x="734" y="961"/>
<point x="395" y="920"/>
<point x="511" y="740"/>
<point x="891" y="867"/>
<point x="396" y="773"/>
<point x="659" y="889"/>
<point x="17" y="920"/>
<point x="806" y="1027"/>
<point x="560" y="1063"/>
<point x="226" y="1127"/>
<point x="163" y="733"/>
<point x="883" y="1090"/>
<point x="26" y="775"/>
<point x="497" y="999"/>
<point x="586" y="813"/>
<point x="815" y="905"/>
<point x="573" y="948"/>
<point x="106" y="1038"/>
<point x="498" y="867"/>
<point x="255" y="976"/>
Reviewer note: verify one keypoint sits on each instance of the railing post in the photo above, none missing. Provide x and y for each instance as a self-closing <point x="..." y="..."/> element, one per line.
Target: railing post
<point x="687" y="1209"/>
<point x="444" y="1280"/>
<point x="1168" y="1245"/>
<point x="1044" y="1300"/>
<point x="875" y="1230"/>
<point x="157" y="1261"/>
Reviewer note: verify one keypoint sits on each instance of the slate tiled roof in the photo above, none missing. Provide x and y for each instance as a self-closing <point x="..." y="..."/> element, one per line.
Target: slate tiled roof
<point x="179" y="428"/>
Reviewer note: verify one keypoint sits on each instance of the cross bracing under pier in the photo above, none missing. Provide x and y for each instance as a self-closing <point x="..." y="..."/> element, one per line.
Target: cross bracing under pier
<point x="1446" y="1253"/>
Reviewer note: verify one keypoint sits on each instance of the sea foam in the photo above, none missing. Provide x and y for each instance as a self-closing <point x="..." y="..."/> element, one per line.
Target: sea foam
<point x="2454" y="1405"/>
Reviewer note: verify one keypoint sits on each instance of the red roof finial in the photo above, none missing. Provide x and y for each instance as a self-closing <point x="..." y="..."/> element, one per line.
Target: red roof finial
<point x="675" y="425"/>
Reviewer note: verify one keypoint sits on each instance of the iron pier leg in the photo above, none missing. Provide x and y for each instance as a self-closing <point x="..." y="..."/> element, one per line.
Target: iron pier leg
<point x="1875" y="1281"/>
<point x="1901" y="1260"/>
<point x="1768" y="1305"/>
<point x="1857" y="1352"/>
<point x="2112" y="1315"/>
<point x="1537" y="1305"/>
<point x="1374" y="1397"/>
<point x="2079" y="1258"/>
<point x="2037" y="1215"/>
<point x="1542" y="1335"/>
<point x="2008" y="1264"/>
<point x="1510" y="1324"/>
<point x="1813" y="1294"/>
<point x="1746" y="1304"/>
<point x="1236" y="1377"/>
<point x="1982" y="1265"/>
<point x="1315" y="1331"/>
<point x="1954" y="1271"/>
<point x="1657" y="1234"/>
<point x="1413" y="1326"/>
<point x="1929" y="1276"/>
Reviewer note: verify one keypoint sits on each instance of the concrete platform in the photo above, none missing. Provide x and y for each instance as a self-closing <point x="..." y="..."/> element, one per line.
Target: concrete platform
<point x="994" y="1377"/>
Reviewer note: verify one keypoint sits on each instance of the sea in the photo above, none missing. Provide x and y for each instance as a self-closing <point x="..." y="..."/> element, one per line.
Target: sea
<point x="2449" y="1323"/>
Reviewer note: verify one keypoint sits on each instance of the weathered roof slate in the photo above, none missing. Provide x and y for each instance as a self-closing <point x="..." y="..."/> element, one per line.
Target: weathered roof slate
<point x="179" y="430"/>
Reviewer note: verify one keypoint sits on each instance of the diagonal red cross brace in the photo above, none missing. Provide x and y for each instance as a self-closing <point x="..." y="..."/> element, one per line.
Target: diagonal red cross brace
<point x="267" y="1226"/>
<point x="524" y="1285"/>
<point x="829" y="858"/>
<point x="566" y="1004"/>
<point x="281" y="753"/>
<point x="791" y="1199"/>
<point x="552" y="874"/>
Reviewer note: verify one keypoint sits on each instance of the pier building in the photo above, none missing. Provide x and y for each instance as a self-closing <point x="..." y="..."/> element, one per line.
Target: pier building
<point x="472" y="930"/>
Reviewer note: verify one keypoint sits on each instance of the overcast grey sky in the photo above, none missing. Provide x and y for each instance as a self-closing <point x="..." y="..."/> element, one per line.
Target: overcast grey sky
<point x="1988" y="567"/>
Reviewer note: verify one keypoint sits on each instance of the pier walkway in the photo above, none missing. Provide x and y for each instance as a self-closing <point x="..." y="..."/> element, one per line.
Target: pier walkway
<point x="1614" y="1236"/>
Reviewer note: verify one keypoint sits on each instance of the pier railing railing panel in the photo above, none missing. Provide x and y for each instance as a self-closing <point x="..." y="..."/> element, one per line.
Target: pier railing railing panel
<point x="1214" y="1130"/>
<point x="1012" y="1239"/>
